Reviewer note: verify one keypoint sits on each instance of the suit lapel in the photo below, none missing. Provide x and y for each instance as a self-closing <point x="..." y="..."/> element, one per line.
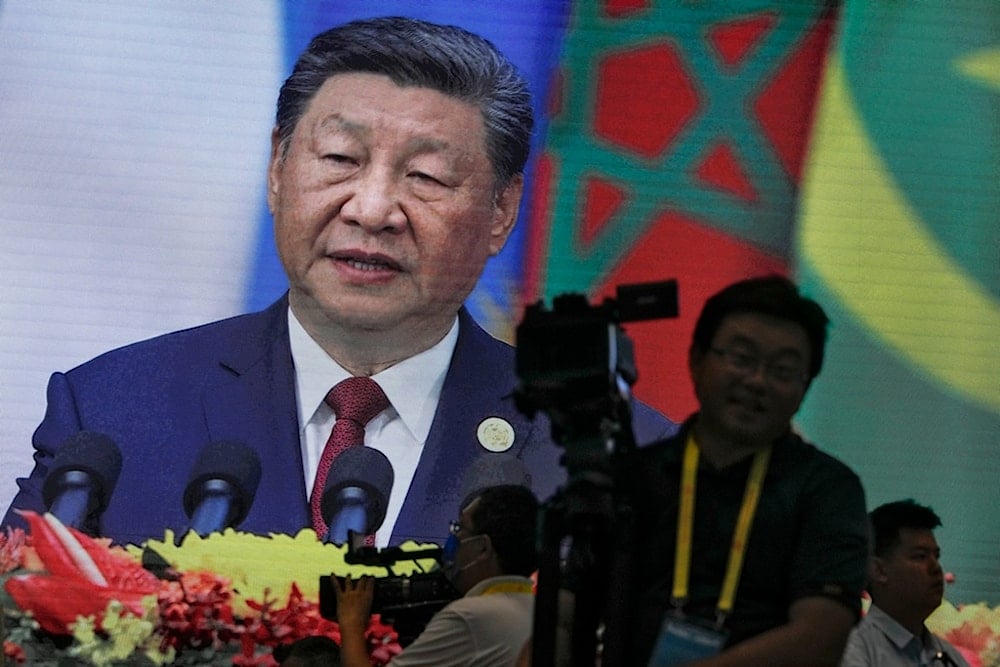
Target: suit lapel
<point x="479" y="384"/>
<point x="253" y="402"/>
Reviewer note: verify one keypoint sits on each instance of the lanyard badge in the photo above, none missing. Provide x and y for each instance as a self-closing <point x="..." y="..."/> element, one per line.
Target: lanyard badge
<point x="681" y="639"/>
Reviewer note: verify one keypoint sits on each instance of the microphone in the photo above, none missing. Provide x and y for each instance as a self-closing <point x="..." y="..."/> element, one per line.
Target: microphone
<point x="356" y="493"/>
<point x="81" y="479"/>
<point x="493" y="470"/>
<point x="221" y="487"/>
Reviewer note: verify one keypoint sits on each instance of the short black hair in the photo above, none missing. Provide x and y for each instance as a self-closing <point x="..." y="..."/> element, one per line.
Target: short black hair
<point x="448" y="59"/>
<point x="888" y="519"/>
<point x="509" y="515"/>
<point x="314" y="651"/>
<point x="771" y="295"/>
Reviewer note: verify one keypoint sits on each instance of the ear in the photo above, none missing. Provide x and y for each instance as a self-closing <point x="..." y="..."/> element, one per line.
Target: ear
<point x="505" y="210"/>
<point x="273" y="170"/>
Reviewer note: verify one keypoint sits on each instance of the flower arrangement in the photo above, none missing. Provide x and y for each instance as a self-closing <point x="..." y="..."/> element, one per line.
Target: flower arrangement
<point x="973" y="629"/>
<point x="226" y="599"/>
<point x="65" y="594"/>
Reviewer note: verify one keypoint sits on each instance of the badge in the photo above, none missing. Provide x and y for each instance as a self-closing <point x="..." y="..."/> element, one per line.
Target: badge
<point x="683" y="641"/>
<point x="495" y="434"/>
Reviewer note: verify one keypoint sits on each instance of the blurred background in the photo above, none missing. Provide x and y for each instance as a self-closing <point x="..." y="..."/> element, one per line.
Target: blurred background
<point x="854" y="146"/>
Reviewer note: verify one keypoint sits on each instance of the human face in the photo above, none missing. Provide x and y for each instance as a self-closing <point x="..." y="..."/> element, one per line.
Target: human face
<point x="384" y="208"/>
<point x="467" y="550"/>
<point x="910" y="575"/>
<point x="750" y="404"/>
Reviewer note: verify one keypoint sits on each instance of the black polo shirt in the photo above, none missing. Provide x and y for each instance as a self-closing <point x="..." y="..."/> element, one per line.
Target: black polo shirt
<point x="809" y="537"/>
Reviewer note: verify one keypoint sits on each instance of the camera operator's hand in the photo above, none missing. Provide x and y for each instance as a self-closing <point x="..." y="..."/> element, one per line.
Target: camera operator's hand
<point x="354" y="603"/>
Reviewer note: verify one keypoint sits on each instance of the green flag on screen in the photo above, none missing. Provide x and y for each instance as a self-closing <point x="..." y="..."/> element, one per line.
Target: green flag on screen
<point x="899" y="240"/>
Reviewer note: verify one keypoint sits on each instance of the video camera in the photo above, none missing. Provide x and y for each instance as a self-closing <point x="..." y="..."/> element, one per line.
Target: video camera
<point x="407" y="602"/>
<point x="576" y="364"/>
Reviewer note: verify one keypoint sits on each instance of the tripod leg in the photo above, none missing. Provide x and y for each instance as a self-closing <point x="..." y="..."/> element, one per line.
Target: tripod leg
<point x="543" y="650"/>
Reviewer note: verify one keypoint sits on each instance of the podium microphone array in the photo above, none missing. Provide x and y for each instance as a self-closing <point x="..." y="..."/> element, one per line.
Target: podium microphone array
<point x="83" y="475"/>
<point x="221" y="487"/>
<point x="356" y="493"/>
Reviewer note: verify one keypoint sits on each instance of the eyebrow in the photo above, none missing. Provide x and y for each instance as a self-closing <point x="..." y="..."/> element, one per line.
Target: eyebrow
<point x="337" y="122"/>
<point x="740" y="339"/>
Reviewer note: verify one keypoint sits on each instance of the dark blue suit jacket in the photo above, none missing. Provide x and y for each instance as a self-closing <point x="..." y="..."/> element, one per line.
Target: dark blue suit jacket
<point x="164" y="399"/>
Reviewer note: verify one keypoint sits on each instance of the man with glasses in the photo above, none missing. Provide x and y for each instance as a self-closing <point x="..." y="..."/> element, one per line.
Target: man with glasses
<point x="489" y="557"/>
<point x="752" y="543"/>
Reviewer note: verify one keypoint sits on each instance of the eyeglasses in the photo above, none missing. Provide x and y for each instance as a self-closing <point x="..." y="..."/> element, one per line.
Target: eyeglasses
<point x="784" y="373"/>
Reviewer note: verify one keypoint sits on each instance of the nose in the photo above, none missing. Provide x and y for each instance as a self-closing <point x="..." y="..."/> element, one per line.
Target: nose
<point x="373" y="202"/>
<point x="757" y="376"/>
<point x="935" y="563"/>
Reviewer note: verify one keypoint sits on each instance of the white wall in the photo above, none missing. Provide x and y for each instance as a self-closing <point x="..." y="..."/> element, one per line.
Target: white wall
<point x="133" y="145"/>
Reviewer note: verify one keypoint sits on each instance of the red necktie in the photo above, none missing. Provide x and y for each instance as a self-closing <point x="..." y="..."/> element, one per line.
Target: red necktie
<point x="355" y="401"/>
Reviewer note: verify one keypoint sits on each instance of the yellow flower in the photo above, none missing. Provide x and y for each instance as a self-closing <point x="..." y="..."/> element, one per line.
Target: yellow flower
<point x="262" y="566"/>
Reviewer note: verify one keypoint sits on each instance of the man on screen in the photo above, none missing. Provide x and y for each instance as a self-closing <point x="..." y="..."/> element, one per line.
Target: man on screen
<point x="396" y="171"/>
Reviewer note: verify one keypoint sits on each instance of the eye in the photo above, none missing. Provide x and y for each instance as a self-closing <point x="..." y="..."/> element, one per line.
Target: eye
<point x="426" y="178"/>
<point x="338" y="158"/>
<point x="742" y="359"/>
<point x="786" y="373"/>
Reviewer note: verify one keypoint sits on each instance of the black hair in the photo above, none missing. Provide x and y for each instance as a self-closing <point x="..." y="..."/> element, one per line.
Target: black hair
<point x="315" y="651"/>
<point x="508" y="514"/>
<point x="774" y="296"/>
<point x="448" y="59"/>
<point x="888" y="519"/>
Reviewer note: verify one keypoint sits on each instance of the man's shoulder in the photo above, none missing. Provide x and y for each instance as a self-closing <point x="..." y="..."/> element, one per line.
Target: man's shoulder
<point x="476" y="343"/>
<point x="795" y="453"/>
<point x="186" y="345"/>
<point x="667" y="446"/>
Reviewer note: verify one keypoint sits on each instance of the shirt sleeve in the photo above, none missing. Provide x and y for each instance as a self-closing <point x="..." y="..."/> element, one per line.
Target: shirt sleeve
<point x="831" y="555"/>
<point x="855" y="653"/>
<point x="447" y="641"/>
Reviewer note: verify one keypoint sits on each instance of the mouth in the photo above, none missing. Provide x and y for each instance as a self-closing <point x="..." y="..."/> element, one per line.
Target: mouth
<point x="748" y="404"/>
<point x="366" y="262"/>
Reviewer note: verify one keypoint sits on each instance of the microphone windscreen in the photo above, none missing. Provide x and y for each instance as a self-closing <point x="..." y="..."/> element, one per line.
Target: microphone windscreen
<point x="93" y="453"/>
<point x="498" y="469"/>
<point x="231" y="462"/>
<point x="360" y="467"/>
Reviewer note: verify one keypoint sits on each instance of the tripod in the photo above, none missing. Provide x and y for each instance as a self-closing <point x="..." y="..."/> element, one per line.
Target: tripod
<point x="590" y="520"/>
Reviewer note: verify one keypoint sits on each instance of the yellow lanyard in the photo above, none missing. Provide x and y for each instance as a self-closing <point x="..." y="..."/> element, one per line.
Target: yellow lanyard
<point x="509" y="587"/>
<point x="685" y="528"/>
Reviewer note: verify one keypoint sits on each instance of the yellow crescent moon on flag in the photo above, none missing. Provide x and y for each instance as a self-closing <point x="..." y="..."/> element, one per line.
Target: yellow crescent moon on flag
<point x="859" y="233"/>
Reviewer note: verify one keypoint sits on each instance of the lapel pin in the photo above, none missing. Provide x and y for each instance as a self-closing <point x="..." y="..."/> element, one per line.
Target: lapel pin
<point x="495" y="434"/>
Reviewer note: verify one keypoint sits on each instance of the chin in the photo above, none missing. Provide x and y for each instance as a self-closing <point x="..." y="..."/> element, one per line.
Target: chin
<point x="753" y="434"/>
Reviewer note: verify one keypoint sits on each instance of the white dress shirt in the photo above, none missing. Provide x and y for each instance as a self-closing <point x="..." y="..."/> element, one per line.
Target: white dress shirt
<point x="413" y="387"/>
<point x="878" y="640"/>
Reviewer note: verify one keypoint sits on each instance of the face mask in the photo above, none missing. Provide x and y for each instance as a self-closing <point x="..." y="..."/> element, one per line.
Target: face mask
<point x="449" y="555"/>
<point x="450" y="550"/>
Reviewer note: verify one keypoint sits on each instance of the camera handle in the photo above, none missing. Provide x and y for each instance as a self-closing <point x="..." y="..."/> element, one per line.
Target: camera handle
<point x="595" y="514"/>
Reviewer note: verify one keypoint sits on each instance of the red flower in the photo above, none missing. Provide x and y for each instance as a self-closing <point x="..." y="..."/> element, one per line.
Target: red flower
<point x="196" y="611"/>
<point x="301" y="618"/>
<point x="12" y="542"/>
<point x="14" y="652"/>
<point x="82" y="577"/>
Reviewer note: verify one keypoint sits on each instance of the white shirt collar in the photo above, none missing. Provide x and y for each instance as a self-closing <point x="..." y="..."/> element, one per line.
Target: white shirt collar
<point x="412" y="386"/>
